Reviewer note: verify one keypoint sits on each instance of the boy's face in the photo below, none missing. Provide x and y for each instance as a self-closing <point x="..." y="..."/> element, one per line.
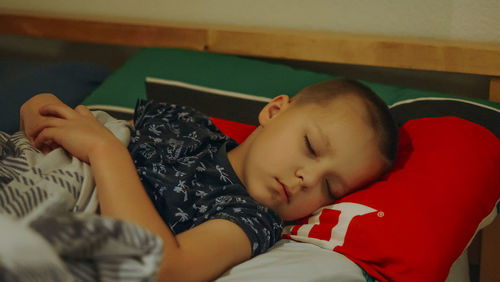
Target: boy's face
<point x="303" y="157"/>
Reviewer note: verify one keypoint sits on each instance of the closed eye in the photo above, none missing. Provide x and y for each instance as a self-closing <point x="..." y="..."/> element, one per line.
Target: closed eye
<point x="329" y="190"/>
<point x="309" y="146"/>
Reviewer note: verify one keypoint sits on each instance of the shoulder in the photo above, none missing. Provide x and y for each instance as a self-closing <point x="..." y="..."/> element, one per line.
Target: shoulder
<point x="149" y="113"/>
<point x="262" y="226"/>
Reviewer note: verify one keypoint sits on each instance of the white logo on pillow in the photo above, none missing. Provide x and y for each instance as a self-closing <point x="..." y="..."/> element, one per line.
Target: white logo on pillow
<point x="347" y="212"/>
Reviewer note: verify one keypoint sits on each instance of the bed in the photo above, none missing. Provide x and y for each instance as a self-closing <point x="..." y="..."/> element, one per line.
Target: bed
<point x="203" y="67"/>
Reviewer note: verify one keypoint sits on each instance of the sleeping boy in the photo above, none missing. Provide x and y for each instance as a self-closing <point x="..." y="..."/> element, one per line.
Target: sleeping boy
<point x="213" y="202"/>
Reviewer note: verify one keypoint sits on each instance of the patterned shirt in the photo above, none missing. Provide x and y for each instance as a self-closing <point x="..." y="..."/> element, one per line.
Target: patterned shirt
<point x="181" y="159"/>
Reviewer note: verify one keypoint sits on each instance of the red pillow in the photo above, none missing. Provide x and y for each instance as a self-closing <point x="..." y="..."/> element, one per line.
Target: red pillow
<point x="414" y="223"/>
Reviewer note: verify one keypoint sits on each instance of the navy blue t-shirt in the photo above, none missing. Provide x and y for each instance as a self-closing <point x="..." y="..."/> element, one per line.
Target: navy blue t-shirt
<point x="181" y="159"/>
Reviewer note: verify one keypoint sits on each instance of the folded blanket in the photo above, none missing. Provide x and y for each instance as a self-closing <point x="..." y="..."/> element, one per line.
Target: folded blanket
<point x="49" y="229"/>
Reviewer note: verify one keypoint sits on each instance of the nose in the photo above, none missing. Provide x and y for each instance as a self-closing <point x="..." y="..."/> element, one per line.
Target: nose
<point x="308" y="177"/>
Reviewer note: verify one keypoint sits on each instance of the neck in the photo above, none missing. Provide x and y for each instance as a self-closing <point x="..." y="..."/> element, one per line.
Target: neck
<point x="238" y="155"/>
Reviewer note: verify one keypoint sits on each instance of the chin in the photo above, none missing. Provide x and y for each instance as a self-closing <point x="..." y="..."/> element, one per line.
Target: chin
<point x="290" y="222"/>
<point x="288" y="218"/>
<point x="293" y="217"/>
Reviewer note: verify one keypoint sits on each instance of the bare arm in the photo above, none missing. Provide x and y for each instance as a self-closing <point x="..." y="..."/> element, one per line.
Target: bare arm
<point x="202" y="253"/>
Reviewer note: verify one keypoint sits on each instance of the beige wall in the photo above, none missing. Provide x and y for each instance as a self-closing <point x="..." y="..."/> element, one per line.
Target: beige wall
<point x="447" y="19"/>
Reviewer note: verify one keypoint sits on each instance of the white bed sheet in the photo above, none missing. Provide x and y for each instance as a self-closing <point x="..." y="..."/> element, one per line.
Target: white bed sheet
<point x="294" y="261"/>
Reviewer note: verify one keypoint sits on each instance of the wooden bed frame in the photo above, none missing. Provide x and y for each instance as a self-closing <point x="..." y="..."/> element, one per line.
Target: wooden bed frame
<point x="366" y="50"/>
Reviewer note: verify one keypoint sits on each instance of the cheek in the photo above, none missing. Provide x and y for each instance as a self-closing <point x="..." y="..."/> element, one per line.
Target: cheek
<point x="321" y="201"/>
<point x="276" y="153"/>
<point x="309" y="204"/>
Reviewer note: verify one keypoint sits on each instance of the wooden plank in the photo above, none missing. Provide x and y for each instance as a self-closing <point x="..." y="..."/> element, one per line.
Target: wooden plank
<point x="370" y="50"/>
<point x="494" y="94"/>
<point x="490" y="252"/>
<point x="131" y="34"/>
<point x="382" y="51"/>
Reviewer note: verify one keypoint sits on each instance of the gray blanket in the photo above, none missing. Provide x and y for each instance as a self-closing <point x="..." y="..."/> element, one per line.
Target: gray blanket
<point x="49" y="229"/>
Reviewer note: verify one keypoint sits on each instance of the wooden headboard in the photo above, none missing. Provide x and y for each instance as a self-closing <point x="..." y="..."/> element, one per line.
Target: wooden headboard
<point x="366" y="50"/>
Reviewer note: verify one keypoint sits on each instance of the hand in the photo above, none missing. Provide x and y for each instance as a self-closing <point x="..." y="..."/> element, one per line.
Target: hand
<point x="76" y="130"/>
<point x="31" y="119"/>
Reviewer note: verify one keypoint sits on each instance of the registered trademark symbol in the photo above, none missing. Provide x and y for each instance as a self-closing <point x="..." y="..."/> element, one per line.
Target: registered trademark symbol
<point x="380" y="214"/>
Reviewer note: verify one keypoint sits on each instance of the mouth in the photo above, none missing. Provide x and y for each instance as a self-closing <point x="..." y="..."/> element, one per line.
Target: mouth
<point x="283" y="191"/>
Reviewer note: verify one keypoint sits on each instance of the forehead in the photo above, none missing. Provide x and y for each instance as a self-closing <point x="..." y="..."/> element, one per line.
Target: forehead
<point x="348" y="111"/>
<point x="342" y="126"/>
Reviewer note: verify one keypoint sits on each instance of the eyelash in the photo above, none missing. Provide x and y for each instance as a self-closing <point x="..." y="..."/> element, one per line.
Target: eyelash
<point x="311" y="150"/>
<point x="328" y="189"/>
<point x="309" y="146"/>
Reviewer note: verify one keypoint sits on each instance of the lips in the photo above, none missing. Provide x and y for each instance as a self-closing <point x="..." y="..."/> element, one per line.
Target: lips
<point x="283" y="191"/>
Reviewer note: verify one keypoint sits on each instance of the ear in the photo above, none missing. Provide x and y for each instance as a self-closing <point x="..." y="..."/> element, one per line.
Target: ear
<point x="273" y="108"/>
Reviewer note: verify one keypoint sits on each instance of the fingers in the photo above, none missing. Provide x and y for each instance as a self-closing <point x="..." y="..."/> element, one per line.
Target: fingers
<point x="52" y="114"/>
<point x="64" y="111"/>
<point x="42" y="124"/>
<point x="57" y="110"/>
<point x="83" y="110"/>
<point x="44" y="140"/>
<point x="49" y="139"/>
<point x="48" y="147"/>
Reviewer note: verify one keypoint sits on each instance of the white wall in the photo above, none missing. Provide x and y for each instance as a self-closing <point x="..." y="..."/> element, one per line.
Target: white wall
<point x="447" y="19"/>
